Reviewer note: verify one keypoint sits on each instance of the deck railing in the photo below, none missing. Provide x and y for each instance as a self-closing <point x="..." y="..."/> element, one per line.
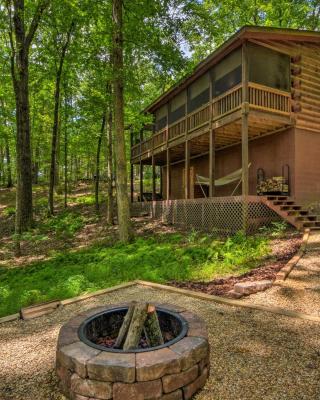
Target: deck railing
<point x="199" y="117"/>
<point x="227" y="102"/>
<point x="266" y="98"/>
<point x="261" y="97"/>
<point x="177" y="129"/>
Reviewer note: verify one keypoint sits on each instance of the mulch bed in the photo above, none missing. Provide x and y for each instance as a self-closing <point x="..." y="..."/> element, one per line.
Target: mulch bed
<point x="282" y="251"/>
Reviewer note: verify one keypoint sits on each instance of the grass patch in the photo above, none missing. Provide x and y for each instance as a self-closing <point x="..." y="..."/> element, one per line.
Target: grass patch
<point x="159" y="258"/>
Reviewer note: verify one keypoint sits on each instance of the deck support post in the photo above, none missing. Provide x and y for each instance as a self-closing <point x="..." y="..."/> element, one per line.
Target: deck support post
<point x="131" y="182"/>
<point x="161" y="182"/>
<point x="141" y="167"/>
<point x="141" y="181"/>
<point x="131" y="168"/>
<point x="244" y="137"/>
<point x="187" y="170"/>
<point x="168" y="171"/>
<point x="212" y="159"/>
<point x="153" y="179"/>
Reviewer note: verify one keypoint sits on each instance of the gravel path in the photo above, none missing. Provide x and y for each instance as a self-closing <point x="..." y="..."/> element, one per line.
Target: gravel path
<point x="301" y="290"/>
<point x="254" y="355"/>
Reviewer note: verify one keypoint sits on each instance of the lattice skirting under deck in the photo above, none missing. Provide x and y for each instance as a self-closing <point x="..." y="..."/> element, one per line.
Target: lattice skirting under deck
<point x="221" y="215"/>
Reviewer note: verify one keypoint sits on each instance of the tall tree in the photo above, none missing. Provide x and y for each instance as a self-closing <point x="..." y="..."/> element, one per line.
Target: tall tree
<point x="120" y="146"/>
<point x="21" y="39"/>
<point x="55" y="127"/>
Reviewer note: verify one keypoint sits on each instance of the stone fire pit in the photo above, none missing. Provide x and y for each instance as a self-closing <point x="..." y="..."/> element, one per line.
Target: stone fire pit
<point x="173" y="371"/>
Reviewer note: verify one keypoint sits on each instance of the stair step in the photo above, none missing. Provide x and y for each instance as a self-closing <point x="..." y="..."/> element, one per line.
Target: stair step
<point x="306" y="218"/>
<point x="292" y="213"/>
<point x="290" y="207"/>
<point x="282" y="197"/>
<point x="309" y="224"/>
<point x="272" y="198"/>
<point x="283" y="203"/>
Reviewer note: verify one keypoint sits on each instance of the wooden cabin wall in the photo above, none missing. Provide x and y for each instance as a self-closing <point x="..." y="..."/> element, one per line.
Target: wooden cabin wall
<point x="307" y="161"/>
<point x="305" y="80"/>
<point x="269" y="152"/>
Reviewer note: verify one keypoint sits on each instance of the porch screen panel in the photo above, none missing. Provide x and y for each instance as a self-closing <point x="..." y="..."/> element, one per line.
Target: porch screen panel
<point x="199" y="93"/>
<point x="227" y="73"/>
<point x="177" y="107"/>
<point x="161" y="118"/>
<point x="268" y="67"/>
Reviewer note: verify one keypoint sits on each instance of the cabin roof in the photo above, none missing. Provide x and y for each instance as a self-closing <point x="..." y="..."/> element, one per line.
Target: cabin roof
<point x="246" y="32"/>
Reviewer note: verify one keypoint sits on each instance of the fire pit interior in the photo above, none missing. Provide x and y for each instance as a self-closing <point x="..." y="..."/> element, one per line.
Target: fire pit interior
<point x="101" y="330"/>
<point x="133" y="351"/>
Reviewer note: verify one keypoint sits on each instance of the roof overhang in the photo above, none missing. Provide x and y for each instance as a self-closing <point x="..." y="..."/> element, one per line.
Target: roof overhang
<point x="246" y="32"/>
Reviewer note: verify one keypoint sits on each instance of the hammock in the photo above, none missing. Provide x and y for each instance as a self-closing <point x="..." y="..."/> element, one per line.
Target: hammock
<point x="225" y="180"/>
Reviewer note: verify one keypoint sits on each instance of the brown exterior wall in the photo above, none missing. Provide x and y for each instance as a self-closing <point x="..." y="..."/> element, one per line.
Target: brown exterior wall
<point x="270" y="153"/>
<point x="307" y="155"/>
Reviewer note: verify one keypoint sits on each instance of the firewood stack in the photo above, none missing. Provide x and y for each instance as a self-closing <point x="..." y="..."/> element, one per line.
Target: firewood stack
<point x="141" y="319"/>
<point x="273" y="185"/>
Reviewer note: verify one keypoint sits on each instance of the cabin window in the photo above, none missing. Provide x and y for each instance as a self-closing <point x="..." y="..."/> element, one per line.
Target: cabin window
<point x="177" y="107"/>
<point x="161" y="118"/>
<point x="198" y="93"/>
<point x="227" y="73"/>
<point x="268" y="67"/>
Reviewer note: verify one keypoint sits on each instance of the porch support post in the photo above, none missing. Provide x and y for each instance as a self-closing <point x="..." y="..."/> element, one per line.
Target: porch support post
<point x="161" y="182"/>
<point x="212" y="161"/>
<point x="244" y="136"/>
<point x="131" y="167"/>
<point x="141" y="181"/>
<point x="153" y="179"/>
<point x="131" y="181"/>
<point x="168" y="170"/>
<point x="187" y="170"/>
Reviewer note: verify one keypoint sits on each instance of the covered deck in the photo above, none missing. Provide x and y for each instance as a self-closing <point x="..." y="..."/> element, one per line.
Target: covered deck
<point x="246" y="112"/>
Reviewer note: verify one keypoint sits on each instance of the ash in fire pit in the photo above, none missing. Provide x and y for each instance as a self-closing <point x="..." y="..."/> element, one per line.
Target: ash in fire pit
<point x="101" y="331"/>
<point x="92" y="366"/>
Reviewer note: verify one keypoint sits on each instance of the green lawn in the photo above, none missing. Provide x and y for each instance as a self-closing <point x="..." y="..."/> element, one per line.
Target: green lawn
<point x="160" y="258"/>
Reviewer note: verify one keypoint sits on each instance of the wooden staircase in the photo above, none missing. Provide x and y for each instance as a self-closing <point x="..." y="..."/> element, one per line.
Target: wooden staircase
<point x="291" y="212"/>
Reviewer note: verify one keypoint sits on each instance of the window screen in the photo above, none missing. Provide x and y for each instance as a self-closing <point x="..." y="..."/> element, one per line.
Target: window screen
<point x="227" y="73"/>
<point x="161" y="117"/>
<point x="269" y="67"/>
<point x="198" y="93"/>
<point x="177" y="107"/>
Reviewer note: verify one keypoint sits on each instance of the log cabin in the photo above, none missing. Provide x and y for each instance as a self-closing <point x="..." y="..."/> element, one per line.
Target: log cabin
<point x="245" y="122"/>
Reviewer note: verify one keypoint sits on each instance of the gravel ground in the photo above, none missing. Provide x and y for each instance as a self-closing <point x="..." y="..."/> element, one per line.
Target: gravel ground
<point x="301" y="290"/>
<point x="254" y="355"/>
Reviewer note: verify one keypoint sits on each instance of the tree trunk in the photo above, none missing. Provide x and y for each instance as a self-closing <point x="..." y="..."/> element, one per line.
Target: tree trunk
<point x="20" y="42"/>
<point x="109" y="171"/>
<point x="56" y="121"/>
<point x="120" y="153"/>
<point x="8" y="159"/>
<point x="65" y="150"/>
<point x="97" y="174"/>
